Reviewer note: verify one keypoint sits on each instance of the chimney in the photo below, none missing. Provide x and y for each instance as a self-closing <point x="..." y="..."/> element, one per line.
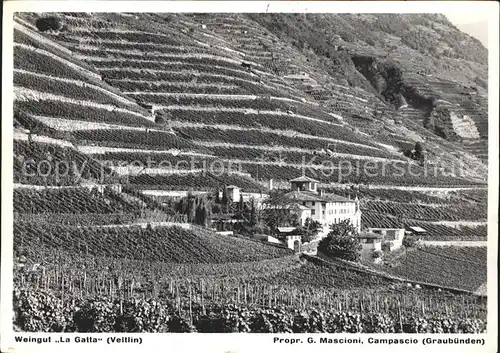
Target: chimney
<point x="321" y="192"/>
<point x="270" y="184"/>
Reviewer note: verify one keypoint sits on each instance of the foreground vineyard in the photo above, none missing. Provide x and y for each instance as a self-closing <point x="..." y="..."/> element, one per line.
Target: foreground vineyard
<point x="139" y="315"/>
<point x="277" y="297"/>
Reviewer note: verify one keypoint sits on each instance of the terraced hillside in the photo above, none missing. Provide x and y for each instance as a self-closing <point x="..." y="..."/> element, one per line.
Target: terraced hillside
<point x="419" y="64"/>
<point x="194" y="84"/>
<point x="64" y="110"/>
<point x="122" y="99"/>
<point x="444" y="214"/>
<point x="439" y="264"/>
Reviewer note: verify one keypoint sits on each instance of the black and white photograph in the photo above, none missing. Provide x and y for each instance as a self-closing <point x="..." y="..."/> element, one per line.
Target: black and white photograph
<point x="249" y="172"/>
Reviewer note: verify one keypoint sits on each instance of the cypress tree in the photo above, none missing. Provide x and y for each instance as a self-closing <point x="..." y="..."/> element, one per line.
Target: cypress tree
<point x="208" y="214"/>
<point x="225" y="199"/>
<point x="199" y="218"/>
<point x="253" y="215"/>
<point x="203" y="215"/>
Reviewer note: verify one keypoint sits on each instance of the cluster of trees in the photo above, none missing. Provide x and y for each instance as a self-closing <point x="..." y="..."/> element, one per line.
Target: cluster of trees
<point x="276" y="211"/>
<point x="197" y="208"/>
<point x="49" y="23"/>
<point x="308" y="231"/>
<point x="218" y="207"/>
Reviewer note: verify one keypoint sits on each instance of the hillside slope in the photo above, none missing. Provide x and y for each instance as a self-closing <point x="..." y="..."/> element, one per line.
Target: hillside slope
<point x="421" y="65"/>
<point x="65" y="112"/>
<point x="195" y="84"/>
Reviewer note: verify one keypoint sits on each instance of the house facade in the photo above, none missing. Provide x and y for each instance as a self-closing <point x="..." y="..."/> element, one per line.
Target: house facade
<point x="325" y="208"/>
<point x="233" y="193"/>
<point x="391" y="236"/>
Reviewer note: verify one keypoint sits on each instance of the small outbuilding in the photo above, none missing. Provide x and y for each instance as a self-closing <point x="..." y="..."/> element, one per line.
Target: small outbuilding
<point x="370" y="243"/>
<point x="393" y="237"/>
<point x="416" y="230"/>
<point x="233" y="193"/>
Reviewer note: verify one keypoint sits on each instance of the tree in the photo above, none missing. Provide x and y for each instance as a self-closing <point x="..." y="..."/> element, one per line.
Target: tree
<point x="225" y="199"/>
<point x="253" y="215"/>
<point x="276" y="210"/>
<point x="308" y="231"/>
<point x="49" y="23"/>
<point x="217" y="196"/>
<point x="198" y="218"/>
<point x="160" y="119"/>
<point x="341" y="242"/>
<point x="409" y="241"/>
<point x="378" y="254"/>
<point x="208" y="214"/>
<point x="191" y="207"/>
<point x="418" y="151"/>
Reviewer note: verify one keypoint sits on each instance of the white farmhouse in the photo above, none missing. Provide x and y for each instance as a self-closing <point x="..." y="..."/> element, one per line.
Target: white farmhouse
<point x="233" y="193"/>
<point x="393" y="237"/>
<point x="328" y="209"/>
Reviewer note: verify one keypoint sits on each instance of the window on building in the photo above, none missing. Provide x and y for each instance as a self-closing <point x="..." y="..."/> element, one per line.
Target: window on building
<point x="313" y="203"/>
<point x="313" y="212"/>
<point x="304" y="203"/>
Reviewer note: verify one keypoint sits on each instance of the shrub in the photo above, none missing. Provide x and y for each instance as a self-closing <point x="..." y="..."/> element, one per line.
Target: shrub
<point x="409" y="241"/>
<point x="341" y="242"/>
<point x="309" y="231"/>
<point x="386" y="247"/>
<point x="378" y="254"/>
<point x="49" y="23"/>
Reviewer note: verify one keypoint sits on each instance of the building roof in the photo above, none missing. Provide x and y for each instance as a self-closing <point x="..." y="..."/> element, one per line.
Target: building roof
<point x="305" y="196"/>
<point x="303" y="179"/>
<point x="301" y="196"/>
<point x="383" y="228"/>
<point x="291" y="206"/>
<point x="337" y="198"/>
<point x="286" y="229"/>
<point x="368" y="235"/>
<point x="418" y="229"/>
<point x="300" y="207"/>
<point x="232" y="187"/>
